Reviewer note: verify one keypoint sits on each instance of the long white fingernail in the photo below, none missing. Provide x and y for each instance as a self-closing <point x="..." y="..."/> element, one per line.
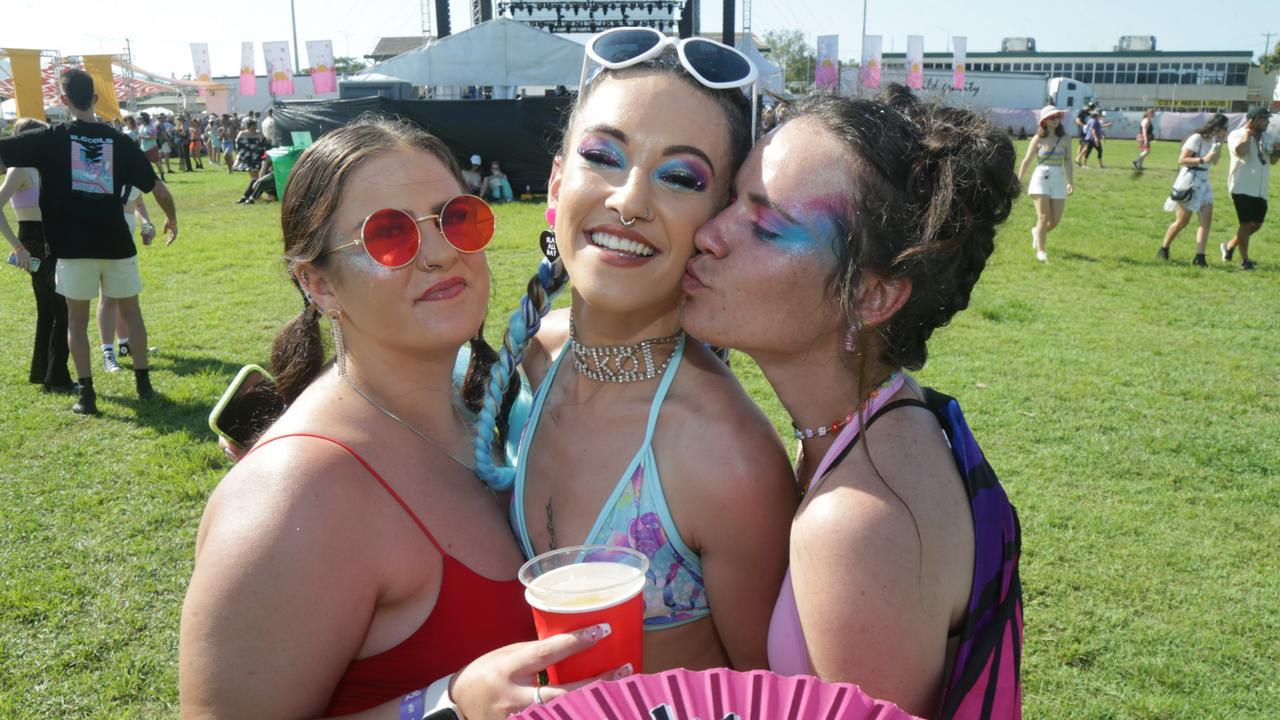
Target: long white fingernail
<point x="624" y="671"/>
<point x="597" y="632"/>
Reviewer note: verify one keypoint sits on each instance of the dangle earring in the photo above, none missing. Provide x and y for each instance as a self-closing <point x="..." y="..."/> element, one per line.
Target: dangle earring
<point x="851" y="335"/>
<point x="339" y="348"/>
<point x="547" y="240"/>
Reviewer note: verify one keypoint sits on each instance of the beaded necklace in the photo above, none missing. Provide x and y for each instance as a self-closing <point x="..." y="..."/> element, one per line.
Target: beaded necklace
<point x="893" y="381"/>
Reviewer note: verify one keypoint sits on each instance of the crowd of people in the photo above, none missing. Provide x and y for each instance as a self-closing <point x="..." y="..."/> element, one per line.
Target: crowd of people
<point x="360" y="556"/>
<point x="1252" y="150"/>
<point x="352" y="564"/>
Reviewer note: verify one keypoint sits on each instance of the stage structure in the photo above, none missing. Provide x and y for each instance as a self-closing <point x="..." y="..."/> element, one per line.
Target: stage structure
<point x="592" y="16"/>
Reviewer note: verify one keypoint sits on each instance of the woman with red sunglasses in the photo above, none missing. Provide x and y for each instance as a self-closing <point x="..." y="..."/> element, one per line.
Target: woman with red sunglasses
<point x="640" y="436"/>
<point x="351" y="556"/>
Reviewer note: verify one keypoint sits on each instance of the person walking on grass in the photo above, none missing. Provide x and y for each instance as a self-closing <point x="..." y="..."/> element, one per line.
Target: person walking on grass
<point x="1146" y="133"/>
<point x="86" y="169"/>
<point x="1082" y="118"/>
<point x="1093" y="137"/>
<point x="1199" y="153"/>
<point x="1253" y="151"/>
<point x="1052" y="181"/>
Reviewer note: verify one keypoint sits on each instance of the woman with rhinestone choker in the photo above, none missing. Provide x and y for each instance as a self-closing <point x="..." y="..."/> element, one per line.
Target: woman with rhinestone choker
<point x="639" y="436"/>
<point x="860" y="227"/>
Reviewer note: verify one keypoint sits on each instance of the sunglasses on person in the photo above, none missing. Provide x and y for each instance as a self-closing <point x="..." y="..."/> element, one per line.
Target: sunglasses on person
<point x="392" y="238"/>
<point x="713" y="64"/>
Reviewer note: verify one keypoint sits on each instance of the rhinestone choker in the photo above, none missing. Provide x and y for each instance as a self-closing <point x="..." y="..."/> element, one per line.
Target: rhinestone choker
<point x="619" y="363"/>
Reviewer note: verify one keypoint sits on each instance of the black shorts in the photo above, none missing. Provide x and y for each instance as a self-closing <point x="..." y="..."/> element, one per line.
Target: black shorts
<point x="1250" y="209"/>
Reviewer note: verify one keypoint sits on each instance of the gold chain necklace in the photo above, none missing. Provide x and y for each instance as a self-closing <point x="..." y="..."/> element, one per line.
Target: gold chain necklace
<point x="398" y="419"/>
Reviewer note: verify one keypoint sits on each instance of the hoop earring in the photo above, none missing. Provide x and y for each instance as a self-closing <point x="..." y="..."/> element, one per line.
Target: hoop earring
<point x="339" y="347"/>
<point x="851" y="336"/>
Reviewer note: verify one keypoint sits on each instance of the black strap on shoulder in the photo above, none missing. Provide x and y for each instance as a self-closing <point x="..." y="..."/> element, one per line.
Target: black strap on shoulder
<point x="904" y="402"/>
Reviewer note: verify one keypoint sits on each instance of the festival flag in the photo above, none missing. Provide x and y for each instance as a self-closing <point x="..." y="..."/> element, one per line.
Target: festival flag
<point x="323" y="77"/>
<point x="958" y="44"/>
<point x="200" y="59"/>
<point x="28" y="84"/>
<point x="279" y="68"/>
<point x="104" y="86"/>
<point x="915" y="61"/>
<point x="870" y="76"/>
<point x="827" y="76"/>
<point x="248" y="83"/>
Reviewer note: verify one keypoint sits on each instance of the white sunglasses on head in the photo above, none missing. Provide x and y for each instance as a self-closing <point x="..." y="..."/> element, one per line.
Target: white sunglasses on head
<point x="714" y="65"/>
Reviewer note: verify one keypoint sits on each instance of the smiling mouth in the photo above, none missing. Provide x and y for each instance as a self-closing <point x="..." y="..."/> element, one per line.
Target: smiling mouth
<point x="619" y="244"/>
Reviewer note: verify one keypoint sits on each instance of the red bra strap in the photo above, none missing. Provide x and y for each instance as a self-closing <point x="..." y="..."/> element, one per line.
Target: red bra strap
<point x="413" y="516"/>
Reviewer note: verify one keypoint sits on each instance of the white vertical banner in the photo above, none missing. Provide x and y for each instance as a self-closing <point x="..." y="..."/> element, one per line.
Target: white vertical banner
<point x="200" y="60"/>
<point x="915" y="61"/>
<point x="248" y="81"/>
<point x="870" y="76"/>
<point x="958" y="45"/>
<point x="320" y="55"/>
<point x="279" y="67"/>
<point x="827" y="74"/>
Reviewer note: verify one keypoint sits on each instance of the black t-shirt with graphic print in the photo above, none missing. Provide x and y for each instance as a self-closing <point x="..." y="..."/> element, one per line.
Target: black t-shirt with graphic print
<point x="86" y="171"/>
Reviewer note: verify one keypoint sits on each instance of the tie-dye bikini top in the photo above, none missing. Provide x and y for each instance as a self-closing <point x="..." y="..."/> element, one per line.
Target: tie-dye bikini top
<point x="634" y="516"/>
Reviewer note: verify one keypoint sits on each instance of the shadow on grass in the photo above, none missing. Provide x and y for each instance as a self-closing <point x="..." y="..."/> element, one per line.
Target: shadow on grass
<point x="1069" y="254"/>
<point x="185" y="365"/>
<point x="165" y="414"/>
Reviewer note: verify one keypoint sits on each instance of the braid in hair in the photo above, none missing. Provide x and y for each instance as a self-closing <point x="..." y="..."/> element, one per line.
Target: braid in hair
<point x="522" y="326"/>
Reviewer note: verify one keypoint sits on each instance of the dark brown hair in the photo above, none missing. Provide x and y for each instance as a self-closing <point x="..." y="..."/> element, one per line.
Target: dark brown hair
<point x="1044" y="130"/>
<point x="311" y="197"/>
<point x="77" y="85"/>
<point x="930" y="184"/>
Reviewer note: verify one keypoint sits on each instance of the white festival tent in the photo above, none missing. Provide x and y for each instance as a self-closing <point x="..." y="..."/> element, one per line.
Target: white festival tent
<point x="500" y="52"/>
<point x="770" y="72"/>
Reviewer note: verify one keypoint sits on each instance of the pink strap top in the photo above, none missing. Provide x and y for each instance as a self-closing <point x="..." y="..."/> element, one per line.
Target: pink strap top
<point x="27" y="197"/>
<point x="788" y="654"/>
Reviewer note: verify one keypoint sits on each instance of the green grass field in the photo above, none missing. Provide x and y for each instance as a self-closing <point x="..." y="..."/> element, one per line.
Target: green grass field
<point x="1129" y="405"/>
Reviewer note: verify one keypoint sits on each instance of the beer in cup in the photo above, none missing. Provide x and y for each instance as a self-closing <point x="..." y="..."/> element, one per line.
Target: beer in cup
<point x="576" y="587"/>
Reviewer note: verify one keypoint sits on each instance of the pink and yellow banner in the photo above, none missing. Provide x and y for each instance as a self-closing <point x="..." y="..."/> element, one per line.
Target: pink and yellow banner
<point x="323" y="77"/>
<point x="870" y="76"/>
<point x="248" y="83"/>
<point x="915" y="61"/>
<point x="24" y="65"/>
<point x="104" y="85"/>
<point x="958" y="45"/>
<point x="827" y="74"/>
<point x="200" y="61"/>
<point x="279" y="69"/>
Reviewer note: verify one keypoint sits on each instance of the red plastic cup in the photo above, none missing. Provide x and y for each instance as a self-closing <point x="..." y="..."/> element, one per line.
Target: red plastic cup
<point x="576" y="587"/>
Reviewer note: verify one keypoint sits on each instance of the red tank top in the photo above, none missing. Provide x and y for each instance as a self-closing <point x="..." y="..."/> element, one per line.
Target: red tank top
<point x="472" y="616"/>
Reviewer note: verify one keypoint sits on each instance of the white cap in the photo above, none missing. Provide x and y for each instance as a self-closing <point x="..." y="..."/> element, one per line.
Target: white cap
<point x="475" y="159"/>
<point x="1049" y="111"/>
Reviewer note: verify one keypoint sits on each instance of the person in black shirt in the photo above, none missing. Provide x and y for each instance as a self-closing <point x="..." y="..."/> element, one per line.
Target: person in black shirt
<point x="1082" y="118"/>
<point x="87" y="170"/>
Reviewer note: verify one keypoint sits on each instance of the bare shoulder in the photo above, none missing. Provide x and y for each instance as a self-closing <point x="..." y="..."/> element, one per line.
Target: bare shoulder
<point x="545" y="347"/>
<point x="715" y="432"/>
<point x="291" y="486"/>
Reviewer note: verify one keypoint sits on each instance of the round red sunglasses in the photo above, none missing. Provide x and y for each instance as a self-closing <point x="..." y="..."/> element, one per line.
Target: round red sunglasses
<point x="392" y="238"/>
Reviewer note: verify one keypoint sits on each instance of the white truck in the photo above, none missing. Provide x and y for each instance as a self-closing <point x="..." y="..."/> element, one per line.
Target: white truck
<point x="989" y="90"/>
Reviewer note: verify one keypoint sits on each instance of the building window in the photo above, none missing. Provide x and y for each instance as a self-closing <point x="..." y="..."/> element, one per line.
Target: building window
<point x="1237" y="74"/>
<point x="1168" y="74"/>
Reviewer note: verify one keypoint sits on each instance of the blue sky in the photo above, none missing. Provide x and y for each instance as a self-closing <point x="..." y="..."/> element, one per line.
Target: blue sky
<point x="160" y="39"/>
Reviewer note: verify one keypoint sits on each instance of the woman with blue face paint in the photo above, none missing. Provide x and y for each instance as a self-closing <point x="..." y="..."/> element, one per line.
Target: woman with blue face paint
<point x="859" y="228"/>
<point x="639" y="436"/>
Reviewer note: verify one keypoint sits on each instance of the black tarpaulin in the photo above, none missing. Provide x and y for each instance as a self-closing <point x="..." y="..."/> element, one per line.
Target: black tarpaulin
<point x="521" y="135"/>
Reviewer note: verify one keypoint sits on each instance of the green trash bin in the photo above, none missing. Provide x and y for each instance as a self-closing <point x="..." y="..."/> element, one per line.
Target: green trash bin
<point x="282" y="160"/>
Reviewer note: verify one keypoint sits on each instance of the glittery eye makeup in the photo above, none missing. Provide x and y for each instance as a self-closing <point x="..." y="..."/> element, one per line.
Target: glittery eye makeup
<point x="684" y="175"/>
<point x="602" y="151"/>
<point x="812" y="227"/>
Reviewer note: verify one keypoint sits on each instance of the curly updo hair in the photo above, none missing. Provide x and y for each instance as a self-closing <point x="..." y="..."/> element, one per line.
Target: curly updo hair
<point x="930" y="185"/>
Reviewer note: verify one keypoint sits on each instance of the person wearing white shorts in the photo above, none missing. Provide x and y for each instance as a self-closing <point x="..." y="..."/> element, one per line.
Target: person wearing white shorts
<point x="1051" y="180"/>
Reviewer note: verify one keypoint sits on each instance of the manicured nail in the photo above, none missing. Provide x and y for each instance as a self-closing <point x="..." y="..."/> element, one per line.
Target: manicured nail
<point x="596" y="632"/>
<point x="624" y="671"/>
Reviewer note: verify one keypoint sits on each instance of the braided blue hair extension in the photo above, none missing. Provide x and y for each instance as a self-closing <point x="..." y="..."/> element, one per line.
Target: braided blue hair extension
<point x="523" y="325"/>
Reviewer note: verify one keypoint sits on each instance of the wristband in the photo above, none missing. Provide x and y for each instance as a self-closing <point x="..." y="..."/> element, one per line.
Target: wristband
<point x="436" y="703"/>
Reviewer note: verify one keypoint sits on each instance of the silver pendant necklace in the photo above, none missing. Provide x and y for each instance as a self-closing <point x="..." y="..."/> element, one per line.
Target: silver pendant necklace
<point x="398" y="419"/>
<point x="619" y="363"/>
